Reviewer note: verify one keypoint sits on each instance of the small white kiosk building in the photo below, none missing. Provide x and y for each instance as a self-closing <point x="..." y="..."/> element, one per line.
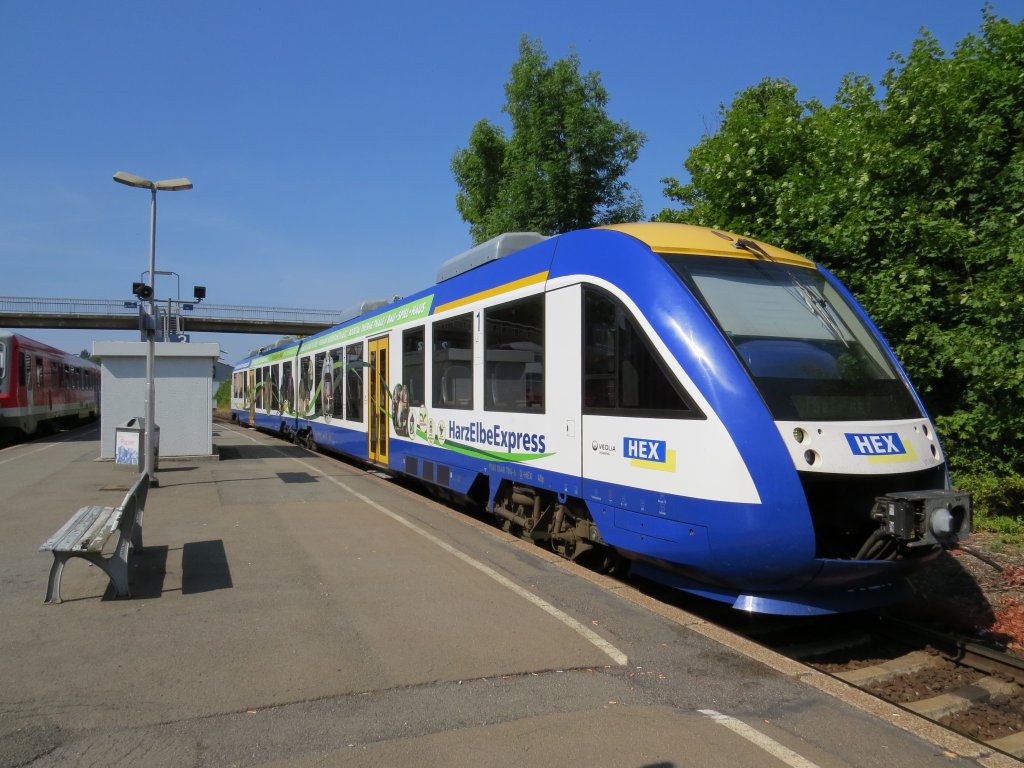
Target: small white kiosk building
<point x="184" y="393"/>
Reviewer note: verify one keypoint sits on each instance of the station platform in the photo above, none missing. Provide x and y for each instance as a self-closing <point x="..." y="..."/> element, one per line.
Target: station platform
<point x="293" y="610"/>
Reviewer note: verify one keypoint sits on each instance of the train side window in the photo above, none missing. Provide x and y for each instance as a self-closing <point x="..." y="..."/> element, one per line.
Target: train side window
<point x="622" y="373"/>
<point x="40" y="368"/>
<point x="453" y="362"/>
<point x="413" y="367"/>
<point x="273" y="389"/>
<point x="305" y="385"/>
<point x="354" y="382"/>
<point x="24" y="370"/>
<point x="318" y="395"/>
<point x="337" y="382"/>
<point x="514" y="356"/>
<point x="287" y="388"/>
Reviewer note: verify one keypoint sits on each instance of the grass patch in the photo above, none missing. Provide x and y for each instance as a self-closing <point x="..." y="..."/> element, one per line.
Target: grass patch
<point x="998" y="506"/>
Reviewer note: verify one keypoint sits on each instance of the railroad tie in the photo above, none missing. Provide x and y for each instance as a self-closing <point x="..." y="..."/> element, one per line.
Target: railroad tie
<point x="962" y="698"/>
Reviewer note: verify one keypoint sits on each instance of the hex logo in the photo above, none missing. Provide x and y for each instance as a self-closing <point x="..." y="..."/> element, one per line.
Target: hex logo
<point x="645" y="450"/>
<point x="880" y="444"/>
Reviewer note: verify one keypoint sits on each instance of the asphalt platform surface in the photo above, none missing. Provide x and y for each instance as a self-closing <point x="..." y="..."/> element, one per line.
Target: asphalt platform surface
<point x="289" y="609"/>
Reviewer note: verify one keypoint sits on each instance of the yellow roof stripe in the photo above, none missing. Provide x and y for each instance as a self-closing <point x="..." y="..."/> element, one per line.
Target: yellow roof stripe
<point x="663" y="237"/>
<point x="540" y="277"/>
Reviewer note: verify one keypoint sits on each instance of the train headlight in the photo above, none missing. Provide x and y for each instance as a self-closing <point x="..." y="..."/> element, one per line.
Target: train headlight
<point x="799" y="435"/>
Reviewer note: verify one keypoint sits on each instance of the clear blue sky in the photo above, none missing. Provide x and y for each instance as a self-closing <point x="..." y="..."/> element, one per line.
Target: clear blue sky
<point x="319" y="134"/>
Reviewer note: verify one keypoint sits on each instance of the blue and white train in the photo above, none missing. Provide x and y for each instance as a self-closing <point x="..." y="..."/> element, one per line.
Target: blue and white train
<point x="718" y="412"/>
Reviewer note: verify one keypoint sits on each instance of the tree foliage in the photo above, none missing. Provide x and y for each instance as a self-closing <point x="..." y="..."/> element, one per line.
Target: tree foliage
<point x="914" y="198"/>
<point x="562" y="167"/>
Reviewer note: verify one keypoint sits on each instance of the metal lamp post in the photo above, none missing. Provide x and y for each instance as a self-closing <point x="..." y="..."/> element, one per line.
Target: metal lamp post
<point x="169" y="185"/>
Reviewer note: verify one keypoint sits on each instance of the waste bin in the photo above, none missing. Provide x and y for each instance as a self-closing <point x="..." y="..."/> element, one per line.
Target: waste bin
<point x="130" y="443"/>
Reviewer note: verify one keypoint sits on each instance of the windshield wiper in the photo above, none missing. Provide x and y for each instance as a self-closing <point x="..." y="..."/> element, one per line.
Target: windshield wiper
<point x="752" y="247"/>
<point x="816" y="304"/>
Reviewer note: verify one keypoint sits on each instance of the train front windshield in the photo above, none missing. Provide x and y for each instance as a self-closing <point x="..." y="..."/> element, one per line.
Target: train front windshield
<point x="810" y="354"/>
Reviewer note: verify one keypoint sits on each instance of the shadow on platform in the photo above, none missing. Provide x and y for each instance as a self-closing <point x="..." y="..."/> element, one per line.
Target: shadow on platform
<point x="204" y="568"/>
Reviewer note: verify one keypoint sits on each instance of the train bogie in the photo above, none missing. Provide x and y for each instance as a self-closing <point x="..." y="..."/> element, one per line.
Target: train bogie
<point x="718" y="412"/>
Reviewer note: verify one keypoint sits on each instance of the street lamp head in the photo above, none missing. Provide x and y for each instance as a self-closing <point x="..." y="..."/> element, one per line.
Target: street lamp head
<point x="174" y="185"/>
<point x="131" y="180"/>
<point x="168" y="185"/>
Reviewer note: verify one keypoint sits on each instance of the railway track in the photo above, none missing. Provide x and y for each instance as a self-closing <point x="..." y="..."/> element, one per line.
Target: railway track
<point x="964" y="686"/>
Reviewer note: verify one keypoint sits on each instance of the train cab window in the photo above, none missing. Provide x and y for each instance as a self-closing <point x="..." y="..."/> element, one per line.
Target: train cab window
<point x="453" y="362"/>
<point x="354" y="382"/>
<point x="413" y="368"/>
<point x="514" y="356"/>
<point x="810" y="352"/>
<point x="622" y="373"/>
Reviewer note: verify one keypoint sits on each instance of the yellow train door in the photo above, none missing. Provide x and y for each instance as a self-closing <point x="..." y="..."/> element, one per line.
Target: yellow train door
<point x="379" y="400"/>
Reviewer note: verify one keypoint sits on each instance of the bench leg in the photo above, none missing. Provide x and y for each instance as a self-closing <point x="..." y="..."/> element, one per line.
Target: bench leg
<point x="115" y="567"/>
<point x="53" y="585"/>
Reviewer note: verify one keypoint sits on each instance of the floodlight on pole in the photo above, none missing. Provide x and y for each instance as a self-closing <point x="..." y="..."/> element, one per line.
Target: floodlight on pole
<point x="167" y="185"/>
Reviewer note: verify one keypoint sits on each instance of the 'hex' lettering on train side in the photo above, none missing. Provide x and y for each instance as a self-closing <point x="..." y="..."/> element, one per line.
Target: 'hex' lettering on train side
<point x="883" y="444"/>
<point x="646" y="450"/>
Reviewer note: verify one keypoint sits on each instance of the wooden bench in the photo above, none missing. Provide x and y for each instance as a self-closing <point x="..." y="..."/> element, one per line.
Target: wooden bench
<point x="87" y="533"/>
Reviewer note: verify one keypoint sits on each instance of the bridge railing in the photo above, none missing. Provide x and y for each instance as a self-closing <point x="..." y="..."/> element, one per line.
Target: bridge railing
<point x="28" y="305"/>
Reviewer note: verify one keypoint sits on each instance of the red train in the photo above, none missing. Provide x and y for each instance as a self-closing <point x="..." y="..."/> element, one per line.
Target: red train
<point x="42" y="387"/>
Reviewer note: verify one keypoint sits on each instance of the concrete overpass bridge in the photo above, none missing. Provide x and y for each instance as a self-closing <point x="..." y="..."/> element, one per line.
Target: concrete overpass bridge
<point x="174" y="318"/>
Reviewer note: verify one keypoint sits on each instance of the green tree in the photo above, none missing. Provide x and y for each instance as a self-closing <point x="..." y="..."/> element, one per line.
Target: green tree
<point x="562" y="167"/>
<point x="222" y="397"/>
<point x="913" y="199"/>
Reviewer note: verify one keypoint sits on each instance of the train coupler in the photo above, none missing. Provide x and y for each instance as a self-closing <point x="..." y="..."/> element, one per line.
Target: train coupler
<point x="925" y="518"/>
